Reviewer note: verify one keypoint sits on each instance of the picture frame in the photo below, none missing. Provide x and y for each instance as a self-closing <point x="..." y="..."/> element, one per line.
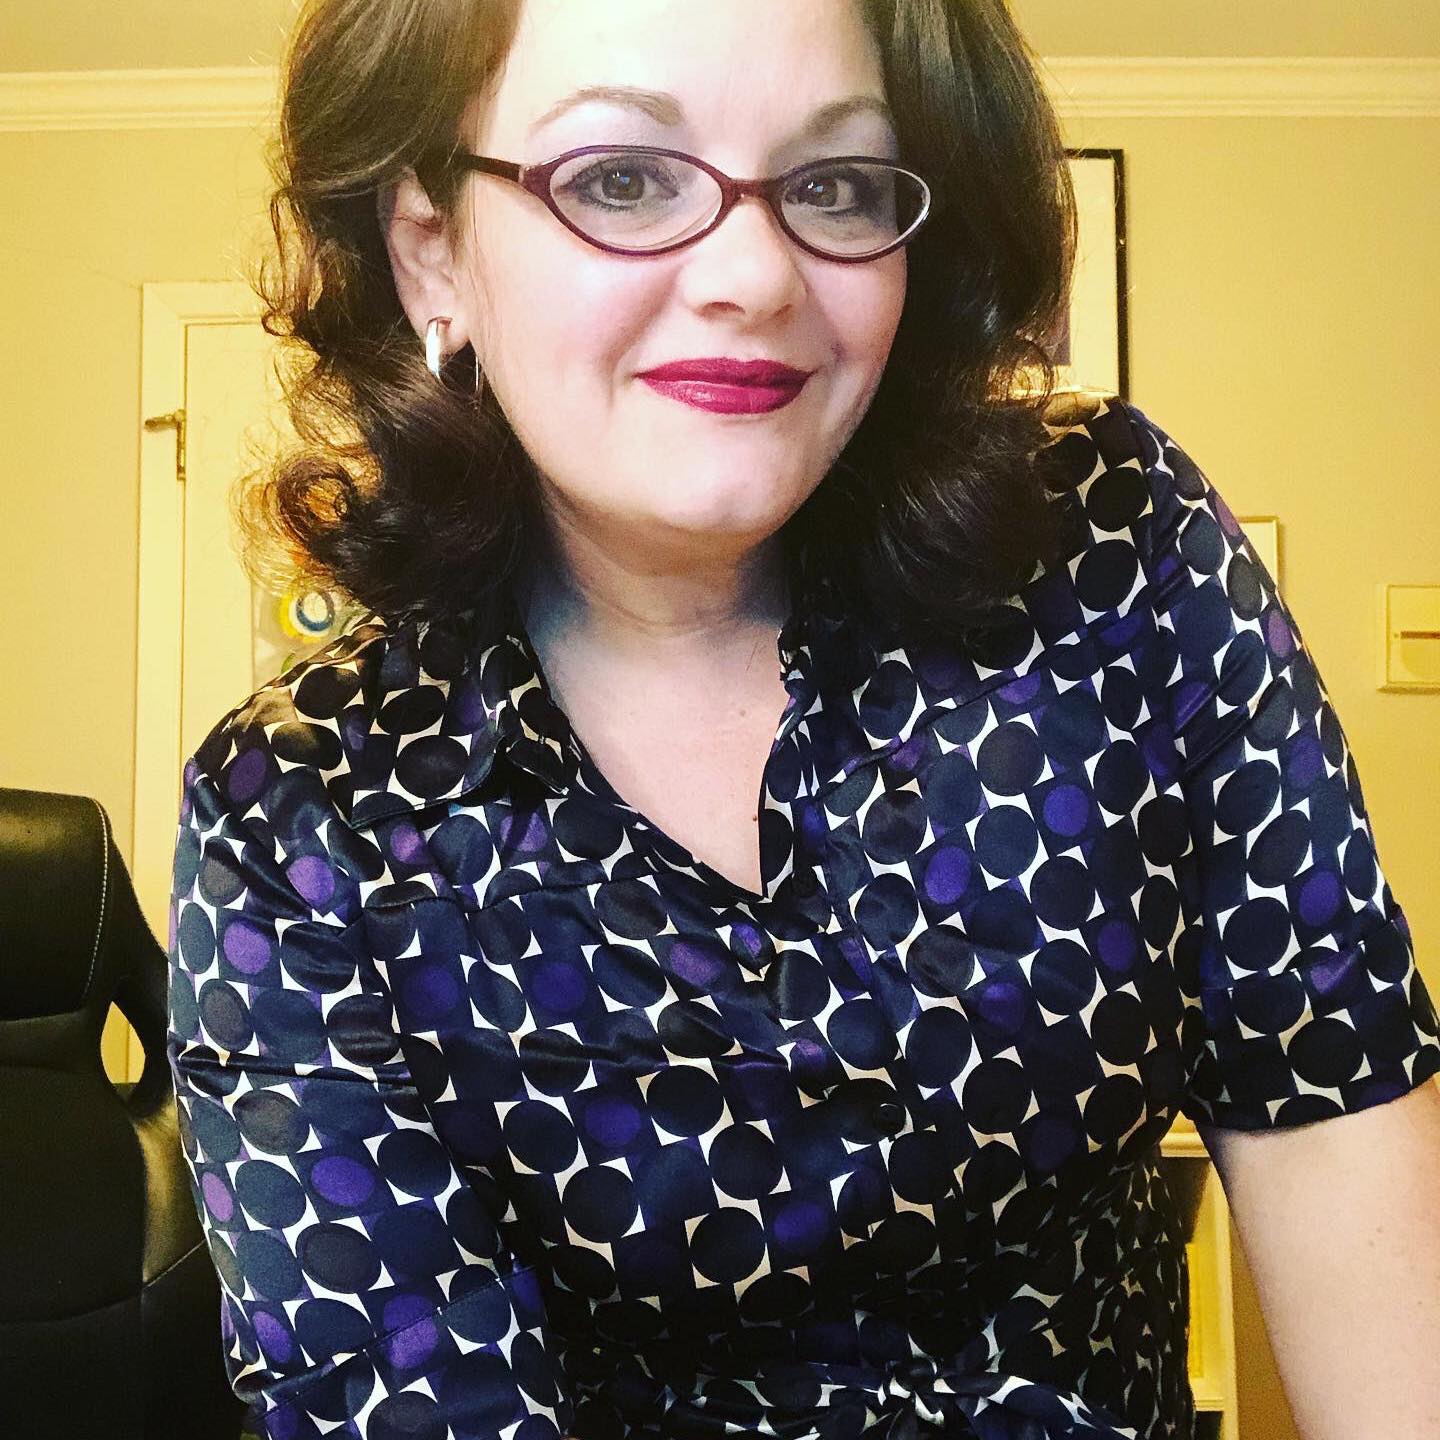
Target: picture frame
<point x="1091" y="346"/>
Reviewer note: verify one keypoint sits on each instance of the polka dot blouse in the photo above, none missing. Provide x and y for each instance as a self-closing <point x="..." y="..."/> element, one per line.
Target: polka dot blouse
<point x="508" y="1118"/>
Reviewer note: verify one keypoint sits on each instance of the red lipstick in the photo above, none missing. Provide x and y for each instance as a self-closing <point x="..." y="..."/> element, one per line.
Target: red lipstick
<point x="728" y="387"/>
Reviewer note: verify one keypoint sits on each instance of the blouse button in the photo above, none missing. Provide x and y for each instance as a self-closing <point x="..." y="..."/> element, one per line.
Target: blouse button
<point x="889" y="1117"/>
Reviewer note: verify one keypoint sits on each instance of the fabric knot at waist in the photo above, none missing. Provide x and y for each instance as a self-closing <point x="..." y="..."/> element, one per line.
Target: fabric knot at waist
<point x="924" y="1396"/>
<point x="903" y="1400"/>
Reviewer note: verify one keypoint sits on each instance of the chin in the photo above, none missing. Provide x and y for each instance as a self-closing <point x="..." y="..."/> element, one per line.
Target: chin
<point x="719" y="510"/>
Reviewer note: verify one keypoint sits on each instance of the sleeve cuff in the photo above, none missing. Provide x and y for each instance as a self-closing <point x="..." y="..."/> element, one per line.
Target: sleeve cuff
<point x="1328" y="1036"/>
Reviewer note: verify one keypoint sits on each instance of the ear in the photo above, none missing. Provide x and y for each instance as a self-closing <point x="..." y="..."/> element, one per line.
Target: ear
<point x="425" y="269"/>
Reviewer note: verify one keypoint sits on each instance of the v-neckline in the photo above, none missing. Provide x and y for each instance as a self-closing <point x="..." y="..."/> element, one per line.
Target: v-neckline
<point x="669" y="850"/>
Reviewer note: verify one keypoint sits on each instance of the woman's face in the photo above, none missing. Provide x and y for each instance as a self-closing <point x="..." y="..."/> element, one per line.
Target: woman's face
<point x="564" y="330"/>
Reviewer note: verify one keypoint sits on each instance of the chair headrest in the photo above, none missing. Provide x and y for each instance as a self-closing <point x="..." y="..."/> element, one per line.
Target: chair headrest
<point x="59" y="870"/>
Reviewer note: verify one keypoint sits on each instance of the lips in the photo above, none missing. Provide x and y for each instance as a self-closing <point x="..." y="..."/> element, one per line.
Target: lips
<point x="729" y="372"/>
<point x="728" y="387"/>
<point x="726" y="399"/>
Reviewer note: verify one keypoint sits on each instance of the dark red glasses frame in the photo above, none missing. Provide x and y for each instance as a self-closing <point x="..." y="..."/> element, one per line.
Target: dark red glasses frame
<point x="536" y="179"/>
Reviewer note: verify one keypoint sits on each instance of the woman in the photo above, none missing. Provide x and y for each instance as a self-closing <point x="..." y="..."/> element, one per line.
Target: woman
<point x="584" y="1024"/>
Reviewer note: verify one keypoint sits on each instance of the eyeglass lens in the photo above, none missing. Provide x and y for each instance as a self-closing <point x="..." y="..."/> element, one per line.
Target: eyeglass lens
<point x="641" y="202"/>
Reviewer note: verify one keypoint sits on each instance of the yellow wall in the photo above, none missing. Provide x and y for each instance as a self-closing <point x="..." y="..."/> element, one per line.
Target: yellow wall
<point x="89" y="218"/>
<point x="1284" y="305"/>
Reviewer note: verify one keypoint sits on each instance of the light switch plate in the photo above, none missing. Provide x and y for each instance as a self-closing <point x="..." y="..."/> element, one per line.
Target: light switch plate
<point x="1410" y="637"/>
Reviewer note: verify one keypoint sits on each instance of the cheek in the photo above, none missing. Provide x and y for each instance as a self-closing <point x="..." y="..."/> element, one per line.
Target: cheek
<point x="871" y="312"/>
<point x="560" y="312"/>
<point x="552" y="291"/>
<point x="602" y="311"/>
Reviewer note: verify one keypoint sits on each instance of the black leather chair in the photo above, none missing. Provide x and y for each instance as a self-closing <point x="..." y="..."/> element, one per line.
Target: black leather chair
<point x="109" y="1303"/>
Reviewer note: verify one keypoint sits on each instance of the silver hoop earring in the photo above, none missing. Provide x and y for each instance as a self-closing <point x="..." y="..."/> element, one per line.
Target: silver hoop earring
<point x="433" y="358"/>
<point x="432" y="344"/>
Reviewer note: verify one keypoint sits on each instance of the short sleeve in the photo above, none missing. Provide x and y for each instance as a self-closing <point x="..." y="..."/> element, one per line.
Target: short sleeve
<point x="1304" y="1000"/>
<point x="366" y="1286"/>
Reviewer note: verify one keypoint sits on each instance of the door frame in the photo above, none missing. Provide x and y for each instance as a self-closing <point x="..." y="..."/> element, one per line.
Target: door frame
<point x="168" y="309"/>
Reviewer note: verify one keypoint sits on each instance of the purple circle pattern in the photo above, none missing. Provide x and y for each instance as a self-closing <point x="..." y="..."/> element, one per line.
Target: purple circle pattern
<point x="507" y="1114"/>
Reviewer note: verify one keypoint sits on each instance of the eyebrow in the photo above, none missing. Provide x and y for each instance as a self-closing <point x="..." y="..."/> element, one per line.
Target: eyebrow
<point x="667" y="109"/>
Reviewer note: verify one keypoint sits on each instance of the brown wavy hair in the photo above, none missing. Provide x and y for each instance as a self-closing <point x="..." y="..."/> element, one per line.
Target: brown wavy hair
<point x="416" y="502"/>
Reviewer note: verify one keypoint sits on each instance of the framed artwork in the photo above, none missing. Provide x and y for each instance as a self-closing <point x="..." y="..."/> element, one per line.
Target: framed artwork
<point x="1091" y="347"/>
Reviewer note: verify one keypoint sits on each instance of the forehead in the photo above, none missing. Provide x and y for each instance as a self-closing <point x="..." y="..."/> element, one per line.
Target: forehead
<point x="736" y="68"/>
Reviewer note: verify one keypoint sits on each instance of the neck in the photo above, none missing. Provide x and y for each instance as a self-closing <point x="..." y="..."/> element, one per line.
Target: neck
<point x="634" y="605"/>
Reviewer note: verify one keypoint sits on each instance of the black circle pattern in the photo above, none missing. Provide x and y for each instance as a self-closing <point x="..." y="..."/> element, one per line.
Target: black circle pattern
<point x="506" y="1116"/>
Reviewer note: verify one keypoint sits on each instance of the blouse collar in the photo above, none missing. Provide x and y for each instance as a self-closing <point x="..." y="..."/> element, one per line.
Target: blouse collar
<point x="485" y="696"/>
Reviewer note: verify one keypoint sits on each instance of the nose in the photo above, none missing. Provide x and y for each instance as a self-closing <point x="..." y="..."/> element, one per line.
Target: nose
<point x="759" y="212"/>
<point x="746" y="261"/>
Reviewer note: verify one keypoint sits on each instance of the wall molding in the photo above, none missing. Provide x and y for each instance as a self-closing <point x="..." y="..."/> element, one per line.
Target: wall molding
<point x="1081" y="85"/>
<point x="214" y="98"/>
<point x="1279" y="86"/>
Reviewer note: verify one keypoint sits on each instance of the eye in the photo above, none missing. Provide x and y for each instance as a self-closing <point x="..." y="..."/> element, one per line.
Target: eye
<point x="833" y="189"/>
<point x="622" y="182"/>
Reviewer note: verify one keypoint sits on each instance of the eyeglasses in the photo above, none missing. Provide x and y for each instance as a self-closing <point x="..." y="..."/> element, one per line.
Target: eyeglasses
<point x="644" y="200"/>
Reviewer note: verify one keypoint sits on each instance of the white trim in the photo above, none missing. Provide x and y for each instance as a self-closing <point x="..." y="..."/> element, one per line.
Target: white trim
<point x="1084" y="85"/>
<point x="223" y="97"/>
<point x="242" y="96"/>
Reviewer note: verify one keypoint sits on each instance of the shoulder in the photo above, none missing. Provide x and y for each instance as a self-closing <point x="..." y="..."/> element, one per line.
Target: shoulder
<point x="1127" y="480"/>
<point x="386" y="717"/>
<point x="260" y="789"/>
<point x="307" y="713"/>
<point x="1095" y="431"/>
